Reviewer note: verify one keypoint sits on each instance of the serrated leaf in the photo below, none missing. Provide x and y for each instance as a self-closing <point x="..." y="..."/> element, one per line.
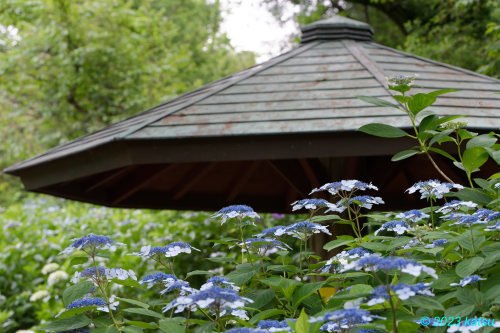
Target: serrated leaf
<point x="459" y="311"/>
<point x="440" y="136"/>
<point x="241" y="275"/>
<point x="336" y="243"/>
<point x="199" y="272"/>
<point x="264" y="315"/>
<point x="261" y="297"/>
<point x="483" y="140"/>
<point x="469" y="266"/>
<point x="441" y="92"/>
<point x="305" y="291"/>
<point x="78" y="260"/>
<point x="302" y="323"/>
<point x="419" y="102"/>
<point x="134" y="302"/>
<point x="442" y="152"/>
<point x="144" y="312"/>
<point x="76" y="291"/>
<point x="424" y="124"/>
<point x="380" y="247"/>
<point x="141" y="324"/>
<point x="474" y="157"/>
<point x="382" y="130"/>
<point x="425" y="302"/>
<point x="171" y="326"/>
<point x="474" y="195"/>
<point x="67" y="323"/>
<point x="74" y="312"/>
<point x="377" y="101"/>
<point x="403" y="155"/>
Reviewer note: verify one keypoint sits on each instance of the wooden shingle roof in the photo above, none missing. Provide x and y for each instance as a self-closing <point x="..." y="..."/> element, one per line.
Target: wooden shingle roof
<point x="310" y="90"/>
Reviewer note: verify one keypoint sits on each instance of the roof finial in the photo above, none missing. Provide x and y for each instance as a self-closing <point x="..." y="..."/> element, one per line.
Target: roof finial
<point x="337" y="27"/>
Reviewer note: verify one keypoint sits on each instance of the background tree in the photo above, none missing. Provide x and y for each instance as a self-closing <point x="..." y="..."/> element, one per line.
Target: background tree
<point x="72" y="67"/>
<point x="458" y="32"/>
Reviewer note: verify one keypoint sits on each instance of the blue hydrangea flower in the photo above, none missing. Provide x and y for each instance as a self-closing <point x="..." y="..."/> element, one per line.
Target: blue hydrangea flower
<point x="387" y="263"/>
<point x="238" y="313"/>
<point x="344" y="186"/>
<point x="306" y="229"/>
<point x="468" y="280"/>
<point x="239" y="211"/>
<point x="438" y="242"/>
<point x="364" y="201"/>
<point x="497" y="186"/>
<point x="93" y="301"/>
<point x="274" y="326"/>
<point x="263" y="246"/>
<point x="398" y="226"/>
<point x="181" y="286"/>
<point x="277" y="231"/>
<point x="481" y="216"/>
<point x="91" y="242"/>
<point x="158" y="278"/>
<point x="433" y="189"/>
<point x="495" y="227"/>
<point x="344" y="319"/>
<point x="214" y="299"/>
<point x="245" y="330"/>
<point x="455" y="205"/>
<point x="413" y="242"/>
<point x="219" y="281"/>
<point x="354" y="253"/>
<point x="313" y="204"/>
<point x="104" y="274"/>
<point x="170" y="250"/>
<point x="403" y="291"/>
<point x="334" y="264"/>
<point x="413" y="216"/>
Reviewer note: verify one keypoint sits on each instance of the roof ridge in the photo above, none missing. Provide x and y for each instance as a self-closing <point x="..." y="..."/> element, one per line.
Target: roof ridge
<point x="263" y="66"/>
<point x="460" y="69"/>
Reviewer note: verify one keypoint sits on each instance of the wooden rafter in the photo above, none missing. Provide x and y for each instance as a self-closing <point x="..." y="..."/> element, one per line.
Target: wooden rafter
<point x="242" y="180"/>
<point x="194" y="179"/>
<point x="115" y="175"/>
<point x="309" y="172"/>
<point x="287" y="178"/>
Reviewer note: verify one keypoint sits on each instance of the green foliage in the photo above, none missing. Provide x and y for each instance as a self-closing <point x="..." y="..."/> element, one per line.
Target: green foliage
<point x="81" y="65"/>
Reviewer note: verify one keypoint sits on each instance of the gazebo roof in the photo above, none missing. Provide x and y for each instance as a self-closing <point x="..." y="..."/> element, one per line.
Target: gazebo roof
<point x="296" y="106"/>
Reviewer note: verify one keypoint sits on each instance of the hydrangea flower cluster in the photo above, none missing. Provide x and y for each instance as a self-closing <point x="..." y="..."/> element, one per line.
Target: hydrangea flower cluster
<point x="158" y="278"/>
<point x="170" y="250"/>
<point x="215" y="298"/>
<point x="455" y="205"/>
<point x="104" y="274"/>
<point x="375" y="262"/>
<point x="91" y="242"/>
<point x="181" y="286"/>
<point x="274" y="326"/>
<point x="93" y="301"/>
<point x="313" y="204"/>
<point x="412" y="216"/>
<point x="468" y="280"/>
<point x="334" y="264"/>
<point x="221" y="282"/>
<point x="277" y="231"/>
<point x="481" y="216"/>
<point x="433" y="189"/>
<point x="263" y="246"/>
<point x="438" y="242"/>
<point x="245" y="330"/>
<point x="344" y="186"/>
<point x="344" y="319"/>
<point x="305" y="229"/>
<point x="364" y="201"/>
<point x="398" y="226"/>
<point x="495" y="227"/>
<point x="236" y="211"/>
<point x="399" y="80"/>
<point x="404" y="291"/>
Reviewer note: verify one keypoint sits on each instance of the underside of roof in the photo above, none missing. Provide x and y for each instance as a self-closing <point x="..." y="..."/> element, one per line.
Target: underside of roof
<point x="299" y="106"/>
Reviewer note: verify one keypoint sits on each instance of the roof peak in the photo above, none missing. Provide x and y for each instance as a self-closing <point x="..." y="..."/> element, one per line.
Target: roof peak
<point x="336" y="27"/>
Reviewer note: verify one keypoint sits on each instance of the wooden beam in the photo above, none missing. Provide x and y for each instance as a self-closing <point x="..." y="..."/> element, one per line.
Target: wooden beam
<point x="136" y="184"/>
<point x="193" y="180"/>
<point x="111" y="177"/>
<point x="309" y="172"/>
<point x="283" y="174"/>
<point x="242" y="180"/>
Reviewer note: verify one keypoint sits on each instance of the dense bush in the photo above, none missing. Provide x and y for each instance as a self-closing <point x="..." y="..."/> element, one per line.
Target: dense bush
<point x="435" y="269"/>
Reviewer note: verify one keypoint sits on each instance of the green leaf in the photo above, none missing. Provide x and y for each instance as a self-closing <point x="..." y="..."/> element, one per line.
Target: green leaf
<point x="302" y="323"/>
<point x="134" y="302"/>
<point x="494" y="154"/>
<point x="419" y="102"/>
<point x="261" y="297"/>
<point x="322" y="218"/>
<point x="336" y="243"/>
<point x="377" y="101"/>
<point x="467" y="296"/>
<point x="382" y="130"/>
<point x="425" y="302"/>
<point x="441" y="92"/>
<point x="474" y="157"/>
<point x="424" y="124"/>
<point x="380" y="247"/>
<point x="128" y="329"/>
<point x="78" y="260"/>
<point x="465" y="134"/>
<point x="74" y="312"/>
<point x="265" y="314"/>
<point x="171" y="326"/>
<point x="442" y="152"/>
<point x="494" y="176"/>
<point x="459" y="311"/>
<point x="440" y="136"/>
<point x="483" y="183"/>
<point x="469" y="266"/>
<point x="199" y="272"/>
<point x="474" y="195"/>
<point x="483" y="140"/>
<point x="241" y="275"/>
<point x="400" y="88"/>
<point x="67" y="323"/>
<point x="144" y="312"/>
<point x="141" y="324"/>
<point x="76" y="291"/>
<point x="403" y="154"/>
<point x="444" y="280"/>
<point x="305" y="291"/>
